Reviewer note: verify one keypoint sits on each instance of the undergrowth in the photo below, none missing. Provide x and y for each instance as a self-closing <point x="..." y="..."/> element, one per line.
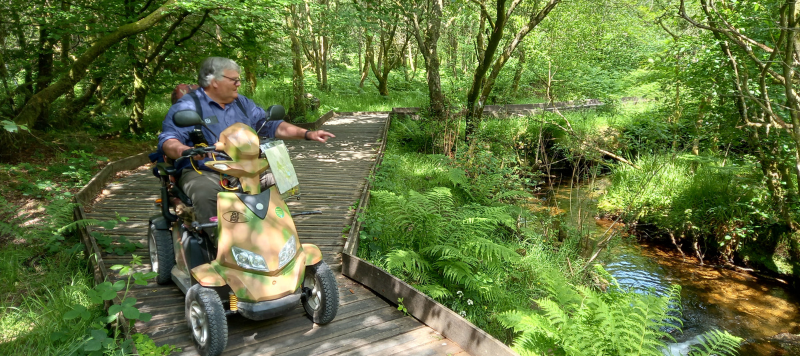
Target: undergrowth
<point x="460" y="228"/>
<point x="49" y="303"/>
<point x="716" y="207"/>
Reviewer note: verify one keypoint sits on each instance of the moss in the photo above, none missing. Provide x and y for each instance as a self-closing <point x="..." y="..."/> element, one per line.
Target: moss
<point x="779" y="255"/>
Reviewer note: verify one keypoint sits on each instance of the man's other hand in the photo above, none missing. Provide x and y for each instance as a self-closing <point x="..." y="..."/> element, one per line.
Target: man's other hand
<point x="197" y="153"/>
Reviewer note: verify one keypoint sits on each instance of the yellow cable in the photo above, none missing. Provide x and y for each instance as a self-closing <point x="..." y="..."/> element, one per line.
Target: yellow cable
<point x="223" y="185"/>
<point x="191" y="160"/>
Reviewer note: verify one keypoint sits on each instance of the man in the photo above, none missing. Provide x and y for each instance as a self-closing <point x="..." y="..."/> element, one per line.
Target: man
<point x="222" y="106"/>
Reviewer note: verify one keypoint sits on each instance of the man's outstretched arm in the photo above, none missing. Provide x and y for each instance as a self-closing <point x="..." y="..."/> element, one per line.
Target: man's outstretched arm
<point x="287" y="131"/>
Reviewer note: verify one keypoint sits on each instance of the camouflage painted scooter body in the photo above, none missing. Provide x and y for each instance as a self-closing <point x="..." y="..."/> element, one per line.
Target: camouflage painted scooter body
<point x="256" y="224"/>
<point x="263" y="225"/>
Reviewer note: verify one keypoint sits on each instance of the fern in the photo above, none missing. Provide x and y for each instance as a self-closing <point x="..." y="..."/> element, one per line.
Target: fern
<point x="434" y="291"/>
<point x="577" y="320"/>
<point x="409" y="262"/>
<point x="490" y="251"/>
<point x="716" y="342"/>
<point x="457" y="272"/>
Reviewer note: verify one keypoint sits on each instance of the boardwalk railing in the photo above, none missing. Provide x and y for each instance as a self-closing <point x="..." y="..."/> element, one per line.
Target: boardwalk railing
<point x="503" y="111"/>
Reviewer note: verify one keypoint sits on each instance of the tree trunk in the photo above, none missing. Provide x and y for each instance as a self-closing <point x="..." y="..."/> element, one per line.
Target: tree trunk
<point x="140" y="90"/>
<point x="482" y="86"/>
<point x="66" y="44"/>
<point x="8" y="95"/>
<point x="518" y="72"/>
<point x="44" y="72"/>
<point x="78" y="70"/>
<point x="367" y="60"/>
<point x="383" y="85"/>
<point x="326" y="47"/>
<point x="73" y="107"/>
<point x="250" y="63"/>
<point x="298" y="109"/>
<point x="428" y="45"/>
<point x="535" y="19"/>
<point x="474" y="107"/>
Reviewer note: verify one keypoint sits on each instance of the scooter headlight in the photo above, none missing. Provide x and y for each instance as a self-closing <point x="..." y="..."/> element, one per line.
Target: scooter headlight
<point x="249" y="259"/>
<point x="287" y="252"/>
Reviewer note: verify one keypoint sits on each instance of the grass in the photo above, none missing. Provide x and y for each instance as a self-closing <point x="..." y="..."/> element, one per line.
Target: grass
<point x="40" y="280"/>
<point x="723" y="207"/>
<point x="38" y="289"/>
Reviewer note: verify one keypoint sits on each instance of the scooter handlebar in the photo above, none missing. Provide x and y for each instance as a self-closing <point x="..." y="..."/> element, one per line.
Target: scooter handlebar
<point x="195" y="151"/>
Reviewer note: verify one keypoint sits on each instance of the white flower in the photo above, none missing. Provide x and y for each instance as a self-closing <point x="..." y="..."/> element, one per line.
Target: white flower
<point x="469" y="301"/>
<point x="459" y="293"/>
<point x="463" y="314"/>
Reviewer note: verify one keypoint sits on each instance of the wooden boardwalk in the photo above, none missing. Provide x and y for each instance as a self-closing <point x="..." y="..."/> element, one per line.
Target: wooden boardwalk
<point x="331" y="178"/>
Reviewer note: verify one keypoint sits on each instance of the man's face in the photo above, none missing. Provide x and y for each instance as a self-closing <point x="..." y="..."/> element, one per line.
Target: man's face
<point x="226" y="88"/>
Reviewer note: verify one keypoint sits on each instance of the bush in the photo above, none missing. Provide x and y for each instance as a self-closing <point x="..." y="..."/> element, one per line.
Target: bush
<point x="693" y="197"/>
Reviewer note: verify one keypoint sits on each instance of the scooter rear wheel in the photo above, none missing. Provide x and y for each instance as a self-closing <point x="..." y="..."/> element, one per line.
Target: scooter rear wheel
<point x="320" y="293"/>
<point x="206" y="318"/>
<point x="162" y="253"/>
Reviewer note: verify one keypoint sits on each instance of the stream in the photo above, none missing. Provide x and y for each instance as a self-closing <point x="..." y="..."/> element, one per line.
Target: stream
<point x="761" y="311"/>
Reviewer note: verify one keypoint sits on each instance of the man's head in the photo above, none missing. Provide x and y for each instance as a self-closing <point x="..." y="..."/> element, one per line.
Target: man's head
<point x="219" y="77"/>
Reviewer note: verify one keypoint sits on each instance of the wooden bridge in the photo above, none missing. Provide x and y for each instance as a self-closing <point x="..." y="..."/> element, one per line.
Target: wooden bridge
<point x="332" y="177"/>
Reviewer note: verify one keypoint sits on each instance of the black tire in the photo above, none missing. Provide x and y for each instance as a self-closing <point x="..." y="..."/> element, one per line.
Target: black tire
<point x="162" y="253"/>
<point x="320" y="293"/>
<point x="206" y="318"/>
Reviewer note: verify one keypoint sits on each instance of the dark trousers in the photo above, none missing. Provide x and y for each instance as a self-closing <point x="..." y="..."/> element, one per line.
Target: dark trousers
<point x="203" y="189"/>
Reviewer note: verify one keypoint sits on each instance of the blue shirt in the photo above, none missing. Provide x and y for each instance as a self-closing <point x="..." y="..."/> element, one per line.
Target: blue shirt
<point x="231" y="114"/>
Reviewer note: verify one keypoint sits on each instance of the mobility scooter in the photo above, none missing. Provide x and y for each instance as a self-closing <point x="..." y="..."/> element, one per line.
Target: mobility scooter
<point x="255" y="264"/>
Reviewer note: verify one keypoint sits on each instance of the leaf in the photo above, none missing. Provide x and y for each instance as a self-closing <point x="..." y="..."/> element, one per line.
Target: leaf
<point x="93" y="345"/>
<point x="94" y="297"/>
<point x="130" y="312"/>
<point x="119" y="285"/>
<point x="11" y="126"/>
<point x="114" y="309"/>
<point x="57" y="335"/>
<point x="77" y="310"/>
<point x="129" y="302"/>
<point x="103" y="320"/>
<point x="96" y="342"/>
<point x="108" y="294"/>
<point x="145" y="317"/>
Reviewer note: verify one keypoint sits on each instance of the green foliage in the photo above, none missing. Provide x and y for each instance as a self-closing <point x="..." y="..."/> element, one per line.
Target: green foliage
<point x="147" y="347"/>
<point x="12" y="127"/>
<point x="440" y="247"/>
<point x="401" y="307"/>
<point x="98" y="339"/>
<point x="577" y="320"/>
<point x="716" y="342"/>
<point x="693" y="196"/>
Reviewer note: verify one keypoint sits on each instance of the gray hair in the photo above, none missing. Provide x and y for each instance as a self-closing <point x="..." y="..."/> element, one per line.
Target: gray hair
<point x="212" y="68"/>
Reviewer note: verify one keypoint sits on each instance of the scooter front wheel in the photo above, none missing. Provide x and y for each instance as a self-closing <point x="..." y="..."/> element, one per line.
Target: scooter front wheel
<point x="320" y="293"/>
<point x="206" y="318"/>
<point x="162" y="253"/>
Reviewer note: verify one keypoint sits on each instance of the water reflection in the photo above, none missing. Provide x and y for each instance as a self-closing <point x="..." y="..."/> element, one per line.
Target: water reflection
<point x="753" y="308"/>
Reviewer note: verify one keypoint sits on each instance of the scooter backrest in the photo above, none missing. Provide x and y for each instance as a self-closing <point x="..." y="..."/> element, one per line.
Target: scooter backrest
<point x="186" y="118"/>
